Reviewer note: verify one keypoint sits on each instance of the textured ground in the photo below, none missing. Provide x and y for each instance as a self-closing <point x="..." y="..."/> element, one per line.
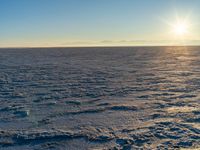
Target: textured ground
<point x="100" y="98"/>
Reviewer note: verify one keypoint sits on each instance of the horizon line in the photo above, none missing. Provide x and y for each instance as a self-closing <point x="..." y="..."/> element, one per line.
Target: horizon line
<point x="96" y="46"/>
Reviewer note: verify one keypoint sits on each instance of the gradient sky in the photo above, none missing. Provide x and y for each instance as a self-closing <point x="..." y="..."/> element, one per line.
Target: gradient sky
<point x="25" y="23"/>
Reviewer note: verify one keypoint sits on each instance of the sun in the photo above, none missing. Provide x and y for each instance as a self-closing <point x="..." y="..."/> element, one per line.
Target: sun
<point x="180" y="28"/>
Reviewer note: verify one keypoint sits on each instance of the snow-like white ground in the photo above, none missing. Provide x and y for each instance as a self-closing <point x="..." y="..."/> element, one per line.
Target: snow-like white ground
<point x="100" y="98"/>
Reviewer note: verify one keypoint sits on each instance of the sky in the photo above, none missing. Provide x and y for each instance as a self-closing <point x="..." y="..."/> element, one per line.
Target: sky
<point x="52" y="23"/>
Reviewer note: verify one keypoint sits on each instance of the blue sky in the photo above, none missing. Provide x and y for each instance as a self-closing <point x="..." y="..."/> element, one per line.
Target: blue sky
<point x="94" y="22"/>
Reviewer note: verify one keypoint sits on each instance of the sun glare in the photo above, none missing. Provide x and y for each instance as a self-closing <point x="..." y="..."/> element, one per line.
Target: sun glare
<point x="180" y="28"/>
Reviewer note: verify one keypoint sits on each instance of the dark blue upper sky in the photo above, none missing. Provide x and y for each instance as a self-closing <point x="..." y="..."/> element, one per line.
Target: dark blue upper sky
<point x="93" y="22"/>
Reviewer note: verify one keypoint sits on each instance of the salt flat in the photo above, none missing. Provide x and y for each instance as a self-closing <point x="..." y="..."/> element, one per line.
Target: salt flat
<point x="100" y="98"/>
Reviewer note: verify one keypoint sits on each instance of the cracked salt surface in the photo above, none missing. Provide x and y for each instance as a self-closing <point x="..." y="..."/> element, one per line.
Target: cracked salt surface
<point x="100" y="98"/>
